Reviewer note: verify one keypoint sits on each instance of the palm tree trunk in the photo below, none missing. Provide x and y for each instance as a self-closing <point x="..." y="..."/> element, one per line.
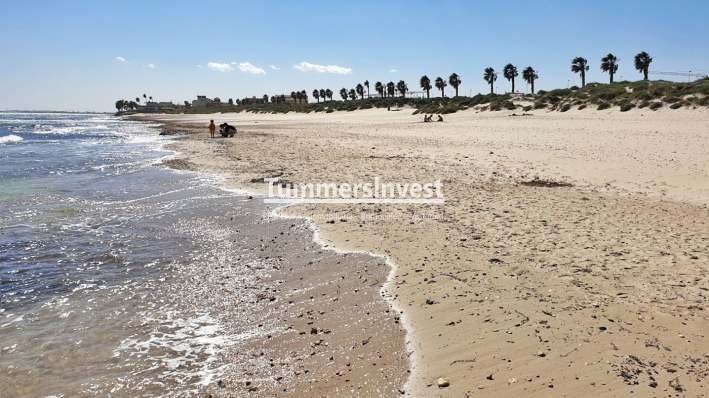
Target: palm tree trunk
<point x="428" y="94"/>
<point x="513" y="85"/>
<point x="532" y="86"/>
<point x="583" y="79"/>
<point x="492" y="88"/>
<point x="645" y="73"/>
<point x="611" y="72"/>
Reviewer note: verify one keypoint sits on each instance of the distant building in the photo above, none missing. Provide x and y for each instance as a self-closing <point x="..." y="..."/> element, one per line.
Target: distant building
<point x="167" y="106"/>
<point x="252" y="100"/>
<point x="149" y="107"/>
<point x="291" y="100"/>
<point x="203" y="102"/>
<point x="157" y="107"/>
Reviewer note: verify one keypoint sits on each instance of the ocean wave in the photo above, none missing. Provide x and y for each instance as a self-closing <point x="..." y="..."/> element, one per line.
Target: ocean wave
<point x="9" y="139"/>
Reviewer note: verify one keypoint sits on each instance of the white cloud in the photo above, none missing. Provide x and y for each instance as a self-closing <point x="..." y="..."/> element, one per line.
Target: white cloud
<point x="248" y="68"/>
<point x="274" y="68"/>
<point x="393" y="71"/>
<point x="219" y="67"/>
<point x="308" y="67"/>
<point x="235" y="63"/>
<point x="151" y="66"/>
<point x="200" y="66"/>
<point x="121" y="59"/>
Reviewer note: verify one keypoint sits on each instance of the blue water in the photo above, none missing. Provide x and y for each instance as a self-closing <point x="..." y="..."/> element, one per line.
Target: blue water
<point x="92" y="230"/>
<point x="66" y="186"/>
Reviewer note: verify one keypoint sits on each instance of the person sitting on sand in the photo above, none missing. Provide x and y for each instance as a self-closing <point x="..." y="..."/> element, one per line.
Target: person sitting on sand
<point x="226" y="130"/>
<point x="426" y="118"/>
<point x="440" y="118"/>
<point x="212" y="128"/>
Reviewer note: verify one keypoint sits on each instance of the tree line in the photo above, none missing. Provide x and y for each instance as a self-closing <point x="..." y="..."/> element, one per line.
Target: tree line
<point x="609" y="64"/>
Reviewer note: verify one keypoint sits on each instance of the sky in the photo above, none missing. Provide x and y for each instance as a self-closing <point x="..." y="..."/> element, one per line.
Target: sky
<point x="85" y="55"/>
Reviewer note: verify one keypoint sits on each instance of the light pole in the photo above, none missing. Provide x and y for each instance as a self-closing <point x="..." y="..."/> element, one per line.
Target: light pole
<point x="568" y="83"/>
<point x="471" y="93"/>
<point x="496" y="87"/>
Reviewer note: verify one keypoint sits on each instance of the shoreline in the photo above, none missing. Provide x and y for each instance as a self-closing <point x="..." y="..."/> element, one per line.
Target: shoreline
<point x="512" y="269"/>
<point x="175" y="164"/>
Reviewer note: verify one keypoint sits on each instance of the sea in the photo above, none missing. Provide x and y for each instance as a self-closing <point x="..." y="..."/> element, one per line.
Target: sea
<point x="105" y="259"/>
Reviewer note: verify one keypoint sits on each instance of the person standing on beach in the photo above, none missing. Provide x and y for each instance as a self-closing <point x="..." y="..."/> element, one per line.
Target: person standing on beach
<point x="212" y="128"/>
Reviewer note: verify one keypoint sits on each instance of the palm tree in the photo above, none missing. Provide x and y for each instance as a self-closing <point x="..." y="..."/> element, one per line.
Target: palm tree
<point x="231" y="101"/>
<point x="490" y="77"/>
<point x="441" y="85"/>
<point x="137" y="99"/>
<point x="322" y="95"/>
<point x="304" y="96"/>
<point x="642" y="63"/>
<point x="425" y="84"/>
<point x="366" y="84"/>
<point x="529" y="75"/>
<point x="119" y="105"/>
<point x="609" y="64"/>
<point x="294" y="96"/>
<point x="316" y="95"/>
<point x="360" y="90"/>
<point x="402" y="88"/>
<point x="145" y="98"/>
<point x="273" y="99"/>
<point x="391" y="89"/>
<point x="455" y="81"/>
<point x="299" y="96"/>
<point x="328" y="94"/>
<point x="265" y="98"/>
<point x="379" y="88"/>
<point x="343" y="93"/>
<point x="580" y="65"/>
<point x="353" y="94"/>
<point x="151" y="98"/>
<point x="510" y="72"/>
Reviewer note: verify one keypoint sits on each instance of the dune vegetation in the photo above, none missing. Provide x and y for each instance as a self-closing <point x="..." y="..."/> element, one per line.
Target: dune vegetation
<point x="624" y="95"/>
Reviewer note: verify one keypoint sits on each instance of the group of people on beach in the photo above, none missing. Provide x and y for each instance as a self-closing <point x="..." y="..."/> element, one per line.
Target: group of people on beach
<point x="225" y="129"/>
<point x="429" y="118"/>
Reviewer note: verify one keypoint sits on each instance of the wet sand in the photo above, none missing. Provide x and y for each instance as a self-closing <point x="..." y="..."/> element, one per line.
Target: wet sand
<point x="595" y="284"/>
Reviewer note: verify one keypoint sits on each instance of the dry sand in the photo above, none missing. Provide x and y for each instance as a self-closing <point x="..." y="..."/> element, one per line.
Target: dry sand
<point x="509" y="289"/>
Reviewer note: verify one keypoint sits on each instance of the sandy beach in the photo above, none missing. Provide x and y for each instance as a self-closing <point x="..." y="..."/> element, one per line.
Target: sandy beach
<point x="570" y="257"/>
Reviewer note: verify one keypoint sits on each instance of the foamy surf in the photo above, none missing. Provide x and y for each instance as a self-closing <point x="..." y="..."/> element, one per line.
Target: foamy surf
<point x="10" y="139"/>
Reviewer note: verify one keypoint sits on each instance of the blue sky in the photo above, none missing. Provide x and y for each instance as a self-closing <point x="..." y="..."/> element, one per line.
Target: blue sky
<point x="63" y="55"/>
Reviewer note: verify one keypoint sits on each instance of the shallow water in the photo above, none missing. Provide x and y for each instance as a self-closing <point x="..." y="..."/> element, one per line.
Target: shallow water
<point x="90" y="245"/>
<point x="122" y="278"/>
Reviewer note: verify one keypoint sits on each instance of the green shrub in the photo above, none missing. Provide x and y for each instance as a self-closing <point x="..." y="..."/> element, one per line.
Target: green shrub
<point x="603" y="105"/>
<point x="539" y="105"/>
<point x="527" y="108"/>
<point x="582" y="107"/>
<point x="627" y="107"/>
<point x="574" y="88"/>
<point x="644" y="104"/>
<point x="541" y="93"/>
<point x="656" y="105"/>
<point x="671" y="99"/>
<point x="566" y="107"/>
<point x="676" y="105"/>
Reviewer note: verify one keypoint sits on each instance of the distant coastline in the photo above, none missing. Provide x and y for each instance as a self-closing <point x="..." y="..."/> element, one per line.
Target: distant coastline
<point x="70" y="112"/>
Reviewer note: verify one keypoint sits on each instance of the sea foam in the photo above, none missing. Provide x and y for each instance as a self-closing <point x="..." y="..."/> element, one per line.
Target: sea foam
<point x="9" y="139"/>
